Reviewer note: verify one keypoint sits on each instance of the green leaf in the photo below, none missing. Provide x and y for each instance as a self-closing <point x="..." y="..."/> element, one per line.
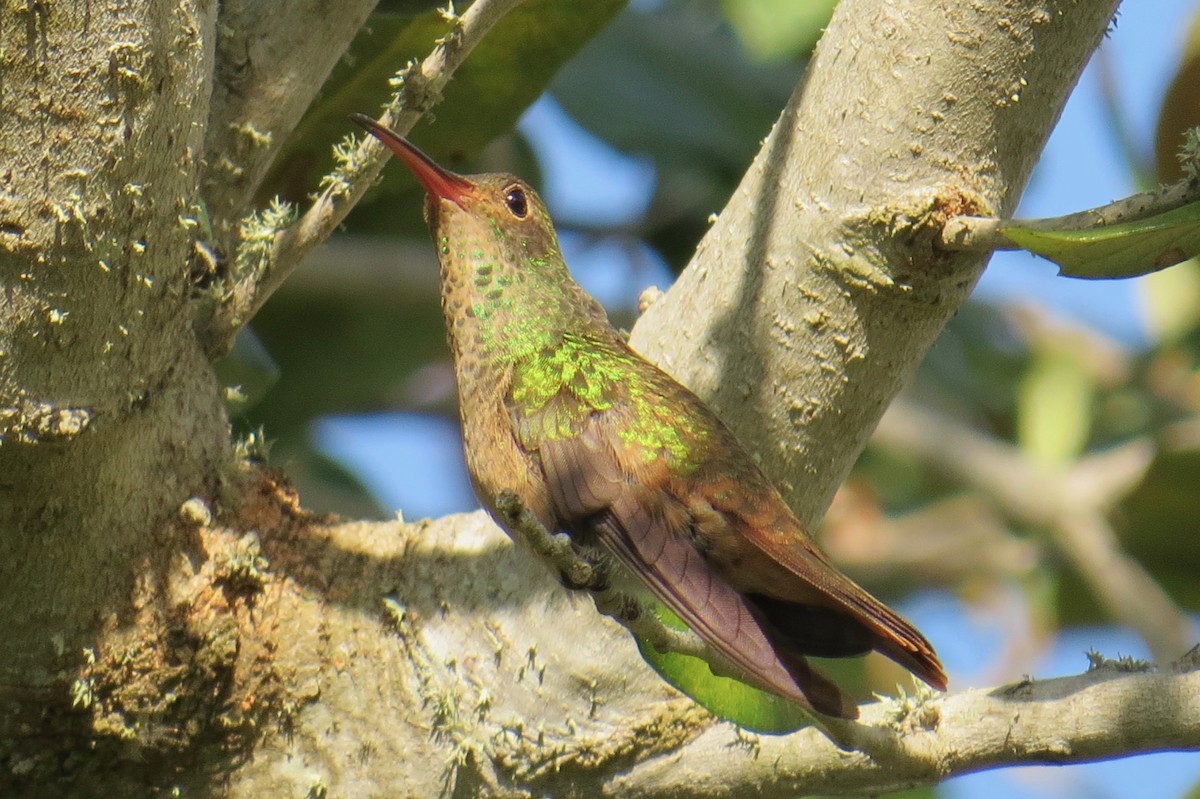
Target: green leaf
<point x="1054" y="406"/>
<point x="1127" y="249"/>
<point x="1158" y="524"/>
<point x="248" y="372"/>
<point x="507" y="71"/>
<point x="672" y="86"/>
<point x="709" y="106"/>
<point x="724" y="697"/>
<point x="1172" y="302"/>
<point x="778" y="29"/>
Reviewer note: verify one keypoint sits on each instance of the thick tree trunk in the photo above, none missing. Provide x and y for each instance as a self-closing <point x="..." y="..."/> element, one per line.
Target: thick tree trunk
<point x="109" y="413"/>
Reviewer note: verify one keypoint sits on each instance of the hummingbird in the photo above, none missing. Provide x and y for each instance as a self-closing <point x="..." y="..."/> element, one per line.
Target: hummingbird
<point x="601" y="444"/>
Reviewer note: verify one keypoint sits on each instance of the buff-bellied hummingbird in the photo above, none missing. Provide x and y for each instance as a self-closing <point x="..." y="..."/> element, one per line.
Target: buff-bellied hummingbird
<point x="601" y="444"/>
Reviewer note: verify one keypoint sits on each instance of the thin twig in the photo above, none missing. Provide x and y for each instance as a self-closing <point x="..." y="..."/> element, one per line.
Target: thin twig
<point x="418" y="88"/>
<point x="556" y="550"/>
<point x="986" y="234"/>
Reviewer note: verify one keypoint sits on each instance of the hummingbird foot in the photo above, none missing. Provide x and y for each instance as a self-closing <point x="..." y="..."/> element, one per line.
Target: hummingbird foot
<point x="576" y="571"/>
<point x="579" y="572"/>
<point x="597" y="581"/>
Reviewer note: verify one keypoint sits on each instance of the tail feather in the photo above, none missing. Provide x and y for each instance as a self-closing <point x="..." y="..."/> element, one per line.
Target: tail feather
<point x="830" y="633"/>
<point x="921" y="662"/>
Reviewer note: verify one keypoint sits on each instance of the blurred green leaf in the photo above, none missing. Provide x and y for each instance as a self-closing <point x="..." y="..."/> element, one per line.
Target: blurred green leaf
<point x="1173" y="301"/>
<point x="343" y="353"/>
<point x="1054" y="406"/>
<point x="778" y="29"/>
<point x="724" y="697"/>
<point x="247" y="372"/>
<point x="1128" y="249"/>
<point x="1158" y="524"/>
<point x="507" y="71"/>
<point x="672" y="86"/>
<point x="974" y="367"/>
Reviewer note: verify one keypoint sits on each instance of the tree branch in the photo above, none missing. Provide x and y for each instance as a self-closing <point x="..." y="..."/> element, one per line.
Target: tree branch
<point x="986" y="234"/>
<point x="1107" y="712"/>
<point x="272" y="58"/>
<point x="821" y="286"/>
<point x="512" y="687"/>
<point x="108" y="411"/>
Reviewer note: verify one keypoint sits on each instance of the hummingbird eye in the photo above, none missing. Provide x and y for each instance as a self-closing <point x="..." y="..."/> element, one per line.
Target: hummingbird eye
<point x="514" y="198"/>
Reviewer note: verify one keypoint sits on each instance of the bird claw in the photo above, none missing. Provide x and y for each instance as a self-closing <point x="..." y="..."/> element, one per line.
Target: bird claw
<point x="575" y="569"/>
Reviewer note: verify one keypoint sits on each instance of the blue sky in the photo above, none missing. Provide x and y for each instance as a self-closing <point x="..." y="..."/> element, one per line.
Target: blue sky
<point x="405" y="459"/>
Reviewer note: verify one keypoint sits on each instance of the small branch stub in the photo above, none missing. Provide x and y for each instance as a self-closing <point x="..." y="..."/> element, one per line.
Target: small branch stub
<point x="969" y="233"/>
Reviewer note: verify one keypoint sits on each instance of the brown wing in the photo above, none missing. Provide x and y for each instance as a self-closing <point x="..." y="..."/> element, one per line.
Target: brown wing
<point x="650" y="532"/>
<point x="763" y="519"/>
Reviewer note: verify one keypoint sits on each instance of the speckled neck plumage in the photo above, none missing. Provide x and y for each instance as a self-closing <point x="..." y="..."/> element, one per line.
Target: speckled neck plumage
<point x="510" y="303"/>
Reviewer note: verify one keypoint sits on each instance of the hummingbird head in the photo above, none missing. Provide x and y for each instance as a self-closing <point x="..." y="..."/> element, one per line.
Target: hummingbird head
<point x="503" y="203"/>
<point x="497" y="248"/>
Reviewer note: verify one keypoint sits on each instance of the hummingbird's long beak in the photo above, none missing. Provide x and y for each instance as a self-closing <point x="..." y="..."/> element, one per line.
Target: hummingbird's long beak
<point x="438" y="182"/>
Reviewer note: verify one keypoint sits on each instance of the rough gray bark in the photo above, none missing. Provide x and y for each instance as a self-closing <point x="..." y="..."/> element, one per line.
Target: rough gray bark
<point x="269" y="69"/>
<point x="109" y="413"/>
<point x="498" y="682"/>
